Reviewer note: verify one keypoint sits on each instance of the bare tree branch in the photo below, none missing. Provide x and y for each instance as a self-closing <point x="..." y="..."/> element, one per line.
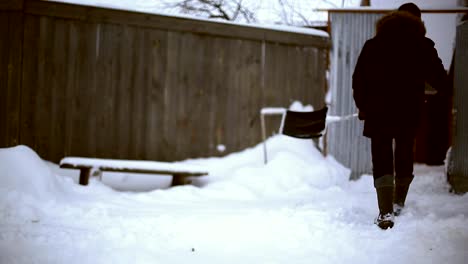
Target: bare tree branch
<point x="227" y="10"/>
<point x="289" y="12"/>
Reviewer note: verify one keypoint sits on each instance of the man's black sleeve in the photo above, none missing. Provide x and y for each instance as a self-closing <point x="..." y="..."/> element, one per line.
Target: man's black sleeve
<point x="436" y="75"/>
<point x="360" y="76"/>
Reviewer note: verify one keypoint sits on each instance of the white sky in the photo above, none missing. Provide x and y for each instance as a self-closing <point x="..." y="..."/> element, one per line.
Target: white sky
<point x="267" y="11"/>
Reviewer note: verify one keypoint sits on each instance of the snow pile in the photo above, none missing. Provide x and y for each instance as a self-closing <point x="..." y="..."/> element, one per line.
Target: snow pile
<point x="300" y="207"/>
<point x="299" y="107"/>
<point x="294" y="166"/>
<point x="23" y="171"/>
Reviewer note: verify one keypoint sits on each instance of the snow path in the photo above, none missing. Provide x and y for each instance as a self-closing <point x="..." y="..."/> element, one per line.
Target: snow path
<point x="335" y="224"/>
<point x="231" y="219"/>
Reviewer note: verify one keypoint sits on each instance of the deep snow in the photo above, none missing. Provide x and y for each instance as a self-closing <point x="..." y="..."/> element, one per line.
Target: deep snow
<point x="298" y="208"/>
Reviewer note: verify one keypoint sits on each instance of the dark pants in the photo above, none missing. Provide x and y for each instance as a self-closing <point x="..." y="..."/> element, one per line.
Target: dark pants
<point x="383" y="160"/>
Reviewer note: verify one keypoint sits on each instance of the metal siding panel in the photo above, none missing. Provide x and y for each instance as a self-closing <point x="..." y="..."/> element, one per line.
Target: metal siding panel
<point x="459" y="178"/>
<point x="349" y="31"/>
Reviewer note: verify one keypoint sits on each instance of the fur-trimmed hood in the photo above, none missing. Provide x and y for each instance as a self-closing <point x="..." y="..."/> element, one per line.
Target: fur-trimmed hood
<point x="400" y="25"/>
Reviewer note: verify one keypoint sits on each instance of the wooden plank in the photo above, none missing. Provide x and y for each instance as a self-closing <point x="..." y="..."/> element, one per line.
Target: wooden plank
<point x="90" y="102"/>
<point x="102" y="84"/>
<point x="275" y="86"/>
<point x="190" y="81"/>
<point x="215" y="108"/>
<point x="101" y="15"/>
<point x="191" y="117"/>
<point x="71" y="87"/>
<point x="317" y="65"/>
<point x="4" y="51"/>
<point x="145" y="54"/>
<point x="82" y="115"/>
<point x="214" y="69"/>
<point x="30" y="79"/>
<point x="11" y="5"/>
<point x="105" y="90"/>
<point x="229" y="133"/>
<point x="237" y="109"/>
<point x="46" y="77"/>
<point x="273" y="90"/>
<point x="138" y="91"/>
<point x="57" y="83"/>
<point x="10" y="76"/>
<point x="14" y="76"/>
<point x="168" y="148"/>
<point x="248" y="92"/>
<point x="109" y="131"/>
<point x="252" y="92"/>
<point x="202" y="118"/>
<point x="124" y="92"/>
<point x="188" y="48"/>
<point x="155" y="100"/>
<point x="293" y="78"/>
<point x="307" y="74"/>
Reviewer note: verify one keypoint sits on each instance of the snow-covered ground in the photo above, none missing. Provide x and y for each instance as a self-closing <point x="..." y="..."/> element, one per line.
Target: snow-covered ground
<point x="298" y="208"/>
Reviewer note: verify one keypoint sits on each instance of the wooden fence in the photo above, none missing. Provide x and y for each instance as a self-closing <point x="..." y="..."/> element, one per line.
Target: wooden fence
<point x="88" y="81"/>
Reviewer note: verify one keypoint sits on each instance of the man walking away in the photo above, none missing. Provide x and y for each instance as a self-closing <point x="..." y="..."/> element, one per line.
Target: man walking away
<point x="388" y="89"/>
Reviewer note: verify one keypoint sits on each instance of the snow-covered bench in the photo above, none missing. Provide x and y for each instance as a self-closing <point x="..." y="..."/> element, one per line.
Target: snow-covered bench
<point x="91" y="166"/>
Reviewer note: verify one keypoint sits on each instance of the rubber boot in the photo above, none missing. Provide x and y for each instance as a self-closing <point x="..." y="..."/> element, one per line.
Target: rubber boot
<point x="385" y="187"/>
<point x="401" y="191"/>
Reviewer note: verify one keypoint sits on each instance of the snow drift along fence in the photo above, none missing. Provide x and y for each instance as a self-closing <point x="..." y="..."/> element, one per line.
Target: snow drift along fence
<point x="87" y="81"/>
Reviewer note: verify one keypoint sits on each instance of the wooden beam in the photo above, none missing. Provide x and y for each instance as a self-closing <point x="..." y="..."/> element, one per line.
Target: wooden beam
<point x="223" y="29"/>
<point x="365" y="3"/>
<point x="459" y="10"/>
<point x="11" y="4"/>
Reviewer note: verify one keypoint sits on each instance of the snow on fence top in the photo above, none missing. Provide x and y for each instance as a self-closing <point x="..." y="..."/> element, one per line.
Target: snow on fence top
<point x="134" y="165"/>
<point x="133" y="6"/>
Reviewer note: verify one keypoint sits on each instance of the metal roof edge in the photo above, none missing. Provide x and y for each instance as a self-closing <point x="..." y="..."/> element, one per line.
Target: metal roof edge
<point x="459" y="9"/>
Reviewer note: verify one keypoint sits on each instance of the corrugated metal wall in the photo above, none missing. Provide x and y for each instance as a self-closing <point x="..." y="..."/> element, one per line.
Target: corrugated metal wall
<point x="345" y="142"/>
<point x="459" y="169"/>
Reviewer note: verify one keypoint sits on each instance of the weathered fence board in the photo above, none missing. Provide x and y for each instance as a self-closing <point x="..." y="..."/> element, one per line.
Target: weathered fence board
<point x="4" y="31"/>
<point x="29" y="81"/>
<point x="156" y="78"/>
<point x="10" y="75"/>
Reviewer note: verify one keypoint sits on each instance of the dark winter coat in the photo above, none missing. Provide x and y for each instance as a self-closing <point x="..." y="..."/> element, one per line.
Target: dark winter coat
<point x="390" y="76"/>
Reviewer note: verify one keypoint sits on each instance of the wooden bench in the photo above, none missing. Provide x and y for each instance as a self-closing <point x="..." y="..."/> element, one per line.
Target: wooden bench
<point x="87" y="166"/>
